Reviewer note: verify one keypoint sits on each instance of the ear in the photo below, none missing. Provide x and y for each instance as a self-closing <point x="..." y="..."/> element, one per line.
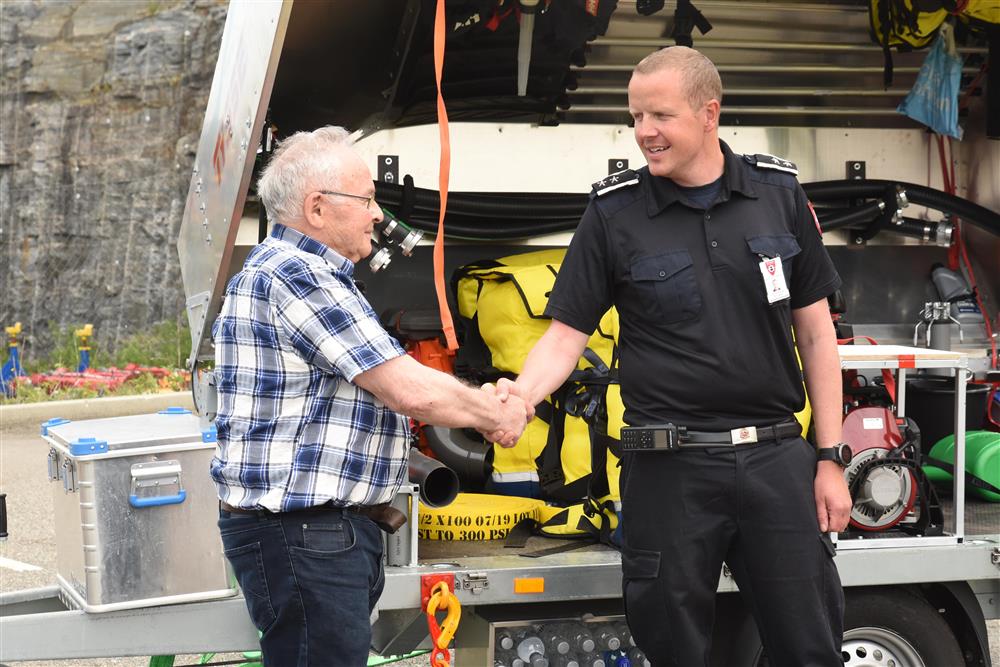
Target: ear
<point x="712" y="111"/>
<point x="313" y="208"/>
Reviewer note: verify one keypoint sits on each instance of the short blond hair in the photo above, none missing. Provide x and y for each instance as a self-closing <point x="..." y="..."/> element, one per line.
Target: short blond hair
<point x="700" y="78"/>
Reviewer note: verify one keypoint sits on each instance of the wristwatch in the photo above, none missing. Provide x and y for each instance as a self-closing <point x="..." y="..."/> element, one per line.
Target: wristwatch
<point x="840" y="452"/>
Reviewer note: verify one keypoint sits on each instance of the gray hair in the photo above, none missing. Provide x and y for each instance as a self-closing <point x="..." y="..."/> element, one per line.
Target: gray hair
<point x="303" y="162"/>
<point x="700" y="78"/>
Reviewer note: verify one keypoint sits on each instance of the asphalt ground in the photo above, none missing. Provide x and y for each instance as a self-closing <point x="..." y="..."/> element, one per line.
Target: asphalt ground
<point x="28" y="556"/>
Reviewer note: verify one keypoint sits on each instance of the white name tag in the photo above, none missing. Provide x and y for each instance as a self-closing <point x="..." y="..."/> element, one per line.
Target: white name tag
<point x="774" y="279"/>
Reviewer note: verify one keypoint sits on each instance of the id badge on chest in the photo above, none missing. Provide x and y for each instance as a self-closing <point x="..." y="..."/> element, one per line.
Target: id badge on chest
<point x="774" y="279"/>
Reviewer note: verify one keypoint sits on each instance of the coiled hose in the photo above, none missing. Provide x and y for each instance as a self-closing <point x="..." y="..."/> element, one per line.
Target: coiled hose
<point x="508" y="216"/>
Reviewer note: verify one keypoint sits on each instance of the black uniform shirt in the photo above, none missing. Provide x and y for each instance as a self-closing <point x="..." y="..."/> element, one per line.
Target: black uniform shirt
<point x="700" y="345"/>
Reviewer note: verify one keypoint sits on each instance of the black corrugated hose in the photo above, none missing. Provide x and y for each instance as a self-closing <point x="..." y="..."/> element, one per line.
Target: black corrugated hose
<point x="508" y="216"/>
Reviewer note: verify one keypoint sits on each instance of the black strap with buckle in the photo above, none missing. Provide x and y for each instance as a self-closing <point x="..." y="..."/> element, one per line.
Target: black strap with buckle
<point x="670" y="437"/>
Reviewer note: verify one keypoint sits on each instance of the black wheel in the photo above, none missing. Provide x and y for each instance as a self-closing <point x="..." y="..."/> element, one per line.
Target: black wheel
<point x="892" y="627"/>
<point x="885" y="627"/>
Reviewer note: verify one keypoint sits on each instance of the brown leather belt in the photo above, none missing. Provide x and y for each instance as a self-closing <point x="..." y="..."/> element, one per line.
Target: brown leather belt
<point x="385" y="516"/>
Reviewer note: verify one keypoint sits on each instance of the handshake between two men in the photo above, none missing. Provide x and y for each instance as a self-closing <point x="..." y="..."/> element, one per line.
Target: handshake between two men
<point x="515" y="412"/>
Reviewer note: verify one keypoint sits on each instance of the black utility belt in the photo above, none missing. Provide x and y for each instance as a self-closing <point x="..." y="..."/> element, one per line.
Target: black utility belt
<point x="670" y="437"/>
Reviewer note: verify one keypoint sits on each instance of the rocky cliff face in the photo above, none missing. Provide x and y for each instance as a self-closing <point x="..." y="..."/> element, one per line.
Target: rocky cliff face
<point x="100" y="112"/>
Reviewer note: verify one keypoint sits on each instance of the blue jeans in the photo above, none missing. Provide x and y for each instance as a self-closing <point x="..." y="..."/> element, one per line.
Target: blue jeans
<point x="310" y="579"/>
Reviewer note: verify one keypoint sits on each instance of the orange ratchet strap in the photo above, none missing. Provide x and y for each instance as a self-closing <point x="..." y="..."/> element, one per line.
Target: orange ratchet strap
<point x="447" y="325"/>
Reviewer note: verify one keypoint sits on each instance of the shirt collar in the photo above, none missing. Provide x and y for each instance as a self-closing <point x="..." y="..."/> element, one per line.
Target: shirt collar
<point x="311" y="245"/>
<point x="662" y="192"/>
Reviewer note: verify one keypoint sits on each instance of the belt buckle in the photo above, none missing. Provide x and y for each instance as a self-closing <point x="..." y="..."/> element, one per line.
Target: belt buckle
<point x="743" y="435"/>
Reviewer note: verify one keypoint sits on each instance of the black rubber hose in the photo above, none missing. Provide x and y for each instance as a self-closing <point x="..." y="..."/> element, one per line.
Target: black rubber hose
<point x="395" y="191"/>
<point x="438" y="483"/>
<point x="474" y="215"/>
<point x="471" y="459"/>
<point x="489" y="204"/>
<point x="916" y="194"/>
<point x="918" y="229"/>
<point x="854" y="216"/>
<point x="494" y="208"/>
<point x="494" y="232"/>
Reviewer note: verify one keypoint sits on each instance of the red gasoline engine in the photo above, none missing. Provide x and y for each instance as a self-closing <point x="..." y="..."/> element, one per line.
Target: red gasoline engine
<point x="884" y="475"/>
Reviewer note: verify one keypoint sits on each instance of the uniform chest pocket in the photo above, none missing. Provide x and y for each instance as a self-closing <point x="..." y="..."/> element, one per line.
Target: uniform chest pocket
<point x="784" y="246"/>
<point x="668" y="286"/>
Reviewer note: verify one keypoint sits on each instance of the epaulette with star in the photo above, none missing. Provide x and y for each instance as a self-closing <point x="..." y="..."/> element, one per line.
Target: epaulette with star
<point x="620" y="179"/>
<point x="765" y="161"/>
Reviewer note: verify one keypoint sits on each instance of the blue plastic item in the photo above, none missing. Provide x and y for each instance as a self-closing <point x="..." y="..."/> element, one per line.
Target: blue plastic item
<point x="157" y="501"/>
<point x="86" y="446"/>
<point x="933" y="100"/>
<point x="174" y="410"/>
<point x="210" y="434"/>
<point x="55" y="421"/>
<point x="11" y="369"/>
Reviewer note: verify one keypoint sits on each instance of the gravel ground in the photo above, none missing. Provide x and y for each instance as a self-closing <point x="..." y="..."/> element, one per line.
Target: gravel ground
<point x="32" y="542"/>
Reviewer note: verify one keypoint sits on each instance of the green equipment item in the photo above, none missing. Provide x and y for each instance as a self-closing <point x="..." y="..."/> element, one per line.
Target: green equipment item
<point x="982" y="463"/>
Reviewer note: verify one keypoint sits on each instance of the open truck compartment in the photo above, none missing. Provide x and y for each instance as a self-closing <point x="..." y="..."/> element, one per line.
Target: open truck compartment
<point x="802" y="81"/>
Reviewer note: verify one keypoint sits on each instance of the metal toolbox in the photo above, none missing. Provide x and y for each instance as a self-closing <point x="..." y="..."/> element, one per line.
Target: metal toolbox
<point x="135" y="511"/>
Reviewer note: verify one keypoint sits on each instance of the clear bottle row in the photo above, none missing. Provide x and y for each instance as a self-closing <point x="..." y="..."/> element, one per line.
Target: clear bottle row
<point x="567" y="644"/>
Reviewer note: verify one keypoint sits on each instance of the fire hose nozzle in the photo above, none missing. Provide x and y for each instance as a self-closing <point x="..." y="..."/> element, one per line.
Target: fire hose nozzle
<point x="380" y="258"/>
<point x="394" y="231"/>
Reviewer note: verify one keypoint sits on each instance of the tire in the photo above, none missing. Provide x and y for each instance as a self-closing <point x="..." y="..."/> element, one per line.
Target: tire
<point x="892" y="626"/>
<point x="884" y="623"/>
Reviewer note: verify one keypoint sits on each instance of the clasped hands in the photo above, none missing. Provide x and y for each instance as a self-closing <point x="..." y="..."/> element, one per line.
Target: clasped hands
<point x="514" y="412"/>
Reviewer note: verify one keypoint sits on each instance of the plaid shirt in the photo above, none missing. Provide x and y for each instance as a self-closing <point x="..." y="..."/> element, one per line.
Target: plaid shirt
<point x="294" y="432"/>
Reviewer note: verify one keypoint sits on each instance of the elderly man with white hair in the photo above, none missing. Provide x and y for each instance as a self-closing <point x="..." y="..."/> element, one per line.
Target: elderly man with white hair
<point x="312" y="437"/>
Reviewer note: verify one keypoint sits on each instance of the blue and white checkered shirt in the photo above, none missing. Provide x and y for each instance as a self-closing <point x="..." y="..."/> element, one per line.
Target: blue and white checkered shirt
<point x="294" y="431"/>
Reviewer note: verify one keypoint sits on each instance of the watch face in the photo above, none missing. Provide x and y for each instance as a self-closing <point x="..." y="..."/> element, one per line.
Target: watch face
<point x="844" y="453"/>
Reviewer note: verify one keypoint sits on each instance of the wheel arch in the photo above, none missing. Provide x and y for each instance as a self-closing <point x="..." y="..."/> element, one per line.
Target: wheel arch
<point x="964" y="615"/>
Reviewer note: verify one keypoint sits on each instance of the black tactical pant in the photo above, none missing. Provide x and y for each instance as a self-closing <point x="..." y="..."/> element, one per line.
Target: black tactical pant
<point x="752" y="506"/>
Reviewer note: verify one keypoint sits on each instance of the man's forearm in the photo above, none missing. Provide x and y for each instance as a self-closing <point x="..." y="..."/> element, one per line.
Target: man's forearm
<point x="446" y="401"/>
<point x="817" y="344"/>
<point x="428" y="395"/>
<point x="822" y="371"/>
<point x="550" y="362"/>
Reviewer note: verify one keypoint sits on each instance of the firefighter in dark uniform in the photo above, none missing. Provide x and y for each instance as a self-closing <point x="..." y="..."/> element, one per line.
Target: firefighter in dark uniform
<point x="713" y="261"/>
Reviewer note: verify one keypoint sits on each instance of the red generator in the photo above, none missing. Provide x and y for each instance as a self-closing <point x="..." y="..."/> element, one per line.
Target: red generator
<point x="888" y="486"/>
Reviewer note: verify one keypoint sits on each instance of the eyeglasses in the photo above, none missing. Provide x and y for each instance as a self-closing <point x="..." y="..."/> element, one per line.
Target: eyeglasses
<point x="369" y="199"/>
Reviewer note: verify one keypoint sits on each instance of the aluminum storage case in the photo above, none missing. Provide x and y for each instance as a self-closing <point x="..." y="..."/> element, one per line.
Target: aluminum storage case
<point x="135" y="511"/>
